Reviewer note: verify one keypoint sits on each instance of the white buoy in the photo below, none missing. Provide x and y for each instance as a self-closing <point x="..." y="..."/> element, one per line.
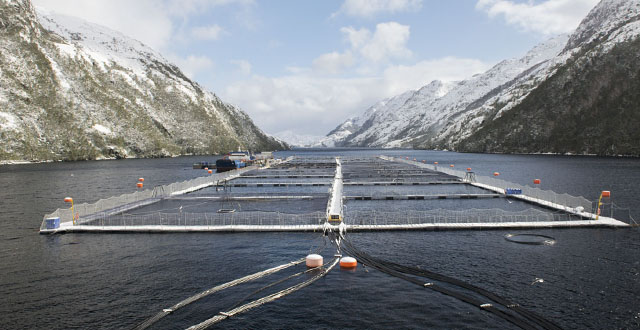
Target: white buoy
<point x="348" y="262"/>
<point x="314" y="260"/>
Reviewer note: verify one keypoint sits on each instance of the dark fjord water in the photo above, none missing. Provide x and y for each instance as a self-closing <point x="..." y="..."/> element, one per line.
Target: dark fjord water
<point x="110" y="281"/>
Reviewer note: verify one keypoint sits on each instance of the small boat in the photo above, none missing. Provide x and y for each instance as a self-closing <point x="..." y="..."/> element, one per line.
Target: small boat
<point x="239" y="155"/>
<point x="234" y="160"/>
<point x="225" y="164"/>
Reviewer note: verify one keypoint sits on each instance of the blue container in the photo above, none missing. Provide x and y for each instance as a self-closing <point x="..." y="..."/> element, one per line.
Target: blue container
<point x="52" y="223"/>
<point x="513" y="191"/>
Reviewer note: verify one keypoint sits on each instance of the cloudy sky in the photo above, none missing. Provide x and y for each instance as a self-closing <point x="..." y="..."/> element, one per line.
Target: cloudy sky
<point x="307" y="65"/>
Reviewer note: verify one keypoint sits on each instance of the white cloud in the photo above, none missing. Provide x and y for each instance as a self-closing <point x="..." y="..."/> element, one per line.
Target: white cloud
<point x="314" y="103"/>
<point x="401" y="78"/>
<point x="370" y="8"/>
<point x="547" y="17"/>
<point x="333" y="62"/>
<point x="192" y="65"/>
<point x="183" y="8"/>
<point x="296" y="69"/>
<point x="149" y="21"/>
<point x="211" y="32"/>
<point x="388" y="41"/>
<point x="243" y="66"/>
<point x="143" y="20"/>
<point x="319" y="104"/>
<point x="370" y="50"/>
<point x="357" y="38"/>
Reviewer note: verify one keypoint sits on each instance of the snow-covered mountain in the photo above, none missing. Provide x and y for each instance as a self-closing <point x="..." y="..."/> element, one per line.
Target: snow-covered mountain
<point x="297" y="140"/>
<point x="445" y="116"/>
<point x="588" y="104"/>
<point x="352" y="125"/>
<point x="75" y="90"/>
<point x="417" y="115"/>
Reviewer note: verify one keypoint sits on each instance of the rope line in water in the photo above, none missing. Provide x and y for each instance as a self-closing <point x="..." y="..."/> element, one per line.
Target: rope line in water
<point x="224" y="315"/>
<point x="147" y="323"/>
<point x="274" y="284"/>
<point x="531" y="321"/>
<point x="432" y="286"/>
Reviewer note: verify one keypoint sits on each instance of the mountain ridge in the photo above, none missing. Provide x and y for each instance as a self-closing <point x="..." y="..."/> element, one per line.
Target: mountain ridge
<point x="453" y="121"/>
<point x="453" y="99"/>
<point x="74" y="90"/>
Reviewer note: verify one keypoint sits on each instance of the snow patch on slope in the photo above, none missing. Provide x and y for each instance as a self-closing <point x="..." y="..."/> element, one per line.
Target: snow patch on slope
<point x="297" y="140"/>
<point x="421" y="114"/>
<point x="8" y="121"/>
<point x="105" y="45"/>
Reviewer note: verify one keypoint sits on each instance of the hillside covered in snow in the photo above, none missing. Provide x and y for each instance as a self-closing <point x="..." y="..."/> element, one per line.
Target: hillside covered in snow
<point x="75" y="90"/>
<point x="571" y="94"/>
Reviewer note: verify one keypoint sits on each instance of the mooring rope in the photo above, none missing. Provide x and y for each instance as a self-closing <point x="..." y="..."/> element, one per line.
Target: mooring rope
<point x="274" y="284"/>
<point x="224" y="315"/>
<point x="147" y="323"/>
<point x="530" y="321"/>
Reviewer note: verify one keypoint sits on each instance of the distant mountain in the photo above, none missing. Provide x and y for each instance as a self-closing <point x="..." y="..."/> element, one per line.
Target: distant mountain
<point x="416" y="117"/>
<point x="378" y="113"/>
<point x="75" y="90"/>
<point x="571" y="94"/>
<point x="297" y="140"/>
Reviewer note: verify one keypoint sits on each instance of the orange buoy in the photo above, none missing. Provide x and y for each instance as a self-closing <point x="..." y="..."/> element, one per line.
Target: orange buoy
<point x="536" y="181"/>
<point x="496" y="173"/>
<point x="435" y="163"/>
<point x="606" y="193"/>
<point x="68" y="200"/>
<point x="348" y="262"/>
<point x="139" y="184"/>
<point x="141" y="179"/>
<point x="210" y="171"/>
<point x="468" y="168"/>
<point x="451" y="165"/>
<point x="314" y="260"/>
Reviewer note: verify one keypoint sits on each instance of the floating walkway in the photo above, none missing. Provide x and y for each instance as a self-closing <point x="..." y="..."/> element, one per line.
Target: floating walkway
<point x="423" y="197"/>
<point x="292" y="206"/>
<point x="326" y="184"/>
<point x="600" y="223"/>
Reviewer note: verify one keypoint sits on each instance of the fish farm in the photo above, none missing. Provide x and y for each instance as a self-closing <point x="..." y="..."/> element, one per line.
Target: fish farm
<point x="325" y="193"/>
<point x="334" y="196"/>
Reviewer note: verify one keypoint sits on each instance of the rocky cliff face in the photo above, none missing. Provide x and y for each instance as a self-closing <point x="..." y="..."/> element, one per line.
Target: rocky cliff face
<point x="528" y="104"/>
<point x="74" y="90"/>
<point x="591" y="103"/>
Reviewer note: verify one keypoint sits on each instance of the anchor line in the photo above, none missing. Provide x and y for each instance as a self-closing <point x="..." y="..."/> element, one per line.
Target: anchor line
<point x="147" y="323"/>
<point x="274" y="284"/>
<point x="224" y="315"/>
<point x="530" y="321"/>
<point x="152" y="320"/>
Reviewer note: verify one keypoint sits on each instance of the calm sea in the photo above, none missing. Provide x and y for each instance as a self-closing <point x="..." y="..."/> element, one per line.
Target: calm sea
<point x="590" y="277"/>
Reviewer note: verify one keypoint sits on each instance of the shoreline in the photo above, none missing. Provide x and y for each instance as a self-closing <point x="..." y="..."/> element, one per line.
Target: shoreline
<point x="26" y="162"/>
